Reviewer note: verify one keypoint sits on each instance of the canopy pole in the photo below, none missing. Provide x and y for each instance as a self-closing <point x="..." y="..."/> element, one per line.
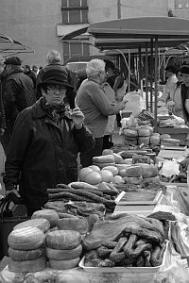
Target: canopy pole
<point x="140" y="66"/>
<point x="151" y="76"/>
<point x="129" y="73"/>
<point x="146" y="74"/>
<point x="156" y="82"/>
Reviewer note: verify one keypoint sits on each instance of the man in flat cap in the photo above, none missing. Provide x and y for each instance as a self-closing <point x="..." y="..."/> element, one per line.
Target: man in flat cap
<point x="18" y="93"/>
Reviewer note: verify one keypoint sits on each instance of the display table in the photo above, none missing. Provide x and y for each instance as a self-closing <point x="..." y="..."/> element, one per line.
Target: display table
<point x="177" y="153"/>
<point x="142" y="275"/>
<point x="176" y="133"/>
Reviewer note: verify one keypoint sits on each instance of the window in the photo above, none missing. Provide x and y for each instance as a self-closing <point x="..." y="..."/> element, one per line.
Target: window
<point x="74" y="12"/>
<point x="75" y="49"/>
<point x="181" y="4"/>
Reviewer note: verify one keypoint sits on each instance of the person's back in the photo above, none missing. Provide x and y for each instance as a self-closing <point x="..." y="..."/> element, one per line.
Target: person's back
<point x="18" y="93"/>
<point x="30" y="74"/>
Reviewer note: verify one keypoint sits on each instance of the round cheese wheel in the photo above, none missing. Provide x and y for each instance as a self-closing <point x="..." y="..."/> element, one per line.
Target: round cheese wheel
<point x="64" y="264"/>
<point x="130" y="133"/>
<point x="148" y="170"/>
<point x="64" y="254"/>
<point x="144" y="132"/>
<point x="144" y="140"/>
<point x="76" y="224"/>
<point x="155" y="139"/>
<point x="133" y="171"/>
<point x="19" y="255"/>
<point x="113" y="169"/>
<point x="63" y="239"/>
<point x="40" y="223"/>
<point x="165" y="136"/>
<point x="49" y="214"/>
<point x="34" y="265"/>
<point x="27" y="238"/>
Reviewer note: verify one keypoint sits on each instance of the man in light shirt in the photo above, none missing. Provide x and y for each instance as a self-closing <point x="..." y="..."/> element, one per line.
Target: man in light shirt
<point x="170" y="85"/>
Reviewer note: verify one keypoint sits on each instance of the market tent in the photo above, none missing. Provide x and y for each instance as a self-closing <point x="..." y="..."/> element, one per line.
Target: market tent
<point x="142" y="27"/>
<point x="149" y="31"/>
<point x="11" y="46"/>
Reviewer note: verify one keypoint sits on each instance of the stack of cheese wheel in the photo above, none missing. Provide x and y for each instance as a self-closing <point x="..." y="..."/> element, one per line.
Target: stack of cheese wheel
<point x="149" y="173"/>
<point x="133" y="174"/>
<point x="131" y="136"/>
<point x="63" y="249"/>
<point x="26" y="250"/>
<point x="144" y="133"/>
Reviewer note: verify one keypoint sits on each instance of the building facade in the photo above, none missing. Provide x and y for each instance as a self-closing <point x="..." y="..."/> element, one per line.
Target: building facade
<point x="42" y="24"/>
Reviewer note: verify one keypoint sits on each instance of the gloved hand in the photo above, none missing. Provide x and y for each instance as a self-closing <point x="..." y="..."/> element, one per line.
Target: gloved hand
<point x="12" y="194"/>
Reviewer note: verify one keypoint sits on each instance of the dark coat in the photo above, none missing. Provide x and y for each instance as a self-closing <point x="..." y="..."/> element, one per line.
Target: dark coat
<point x="18" y="93"/>
<point x="42" y="153"/>
<point x="184" y="96"/>
<point x="2" y="109"/>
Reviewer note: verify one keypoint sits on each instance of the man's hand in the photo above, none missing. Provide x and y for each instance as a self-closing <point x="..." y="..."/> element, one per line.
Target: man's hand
<point x="14" y="191"/>
<point x="77" y="118"/>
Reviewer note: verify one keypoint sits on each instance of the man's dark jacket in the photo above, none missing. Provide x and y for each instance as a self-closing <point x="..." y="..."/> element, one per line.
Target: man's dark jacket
<point x="18" y="93"/>
<point x="43" y="153"/>
<point x="184" y="97"/>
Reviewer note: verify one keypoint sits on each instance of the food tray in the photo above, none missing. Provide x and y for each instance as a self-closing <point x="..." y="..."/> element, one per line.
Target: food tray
<point x="128" y="270"/>
<point x="147" y="198"/>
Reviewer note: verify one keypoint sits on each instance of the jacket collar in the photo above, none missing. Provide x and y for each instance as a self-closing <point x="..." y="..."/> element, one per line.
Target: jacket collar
<point x="38" y="111"/>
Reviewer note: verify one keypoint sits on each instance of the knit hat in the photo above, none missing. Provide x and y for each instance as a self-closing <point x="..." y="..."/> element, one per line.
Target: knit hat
<point x="184" y="69"/>
<point x="54" y="75"/>
<point x="13" y="61"/>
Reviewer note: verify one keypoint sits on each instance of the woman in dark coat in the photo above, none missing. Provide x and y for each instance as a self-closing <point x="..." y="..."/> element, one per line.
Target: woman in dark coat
<point x="45" y="142"/>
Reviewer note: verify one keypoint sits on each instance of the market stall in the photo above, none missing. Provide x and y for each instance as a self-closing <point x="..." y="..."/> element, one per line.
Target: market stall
<point x="81" y="236"/>
<point x="147" y="32"/>
<point x="10" y="46"/>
